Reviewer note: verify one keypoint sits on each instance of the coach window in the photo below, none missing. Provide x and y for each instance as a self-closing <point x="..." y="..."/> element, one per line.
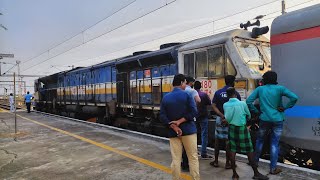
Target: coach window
<point x="215" y="61"/>
<point x="202" y="64"/>
<point x="189" y="64"/>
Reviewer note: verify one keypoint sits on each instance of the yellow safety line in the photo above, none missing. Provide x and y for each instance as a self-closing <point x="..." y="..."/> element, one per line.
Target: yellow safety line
<point x="136" y="158"/>
<point x="3" y="110"/>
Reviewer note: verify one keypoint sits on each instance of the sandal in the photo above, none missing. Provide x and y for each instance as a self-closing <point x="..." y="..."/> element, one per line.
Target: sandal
<point x="276" y="171"/>
<point x="235" y="177"/>
<point x="214" y="164"/>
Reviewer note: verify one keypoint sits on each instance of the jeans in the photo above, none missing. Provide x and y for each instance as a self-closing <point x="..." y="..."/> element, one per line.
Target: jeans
<point x="204" y="134"/>
<point x="276" y="131"/>
<point x="28" y="106"/>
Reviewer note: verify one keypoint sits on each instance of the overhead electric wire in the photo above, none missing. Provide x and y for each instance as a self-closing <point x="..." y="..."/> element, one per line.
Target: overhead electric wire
<point x="103" y="34"/>
<point x="193" y="37"/>
<point x="249" y="9"/>
<point x="8" y="70"/>
<point x="165" y="36"/>
<point x="123" y="7"/>
<point x="176" y="32"/>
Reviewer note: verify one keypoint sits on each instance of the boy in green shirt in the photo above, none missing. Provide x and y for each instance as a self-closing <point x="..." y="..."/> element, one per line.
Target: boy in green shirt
<point x="236" y="113"/>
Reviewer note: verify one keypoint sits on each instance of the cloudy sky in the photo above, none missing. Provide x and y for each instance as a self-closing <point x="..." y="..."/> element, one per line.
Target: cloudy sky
<point x="51" y="36"/>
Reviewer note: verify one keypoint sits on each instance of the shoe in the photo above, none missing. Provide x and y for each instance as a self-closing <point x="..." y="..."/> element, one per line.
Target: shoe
<point x="260" y="177"/>
<point x="206" y="157"/>
<point x="275" y="171"/>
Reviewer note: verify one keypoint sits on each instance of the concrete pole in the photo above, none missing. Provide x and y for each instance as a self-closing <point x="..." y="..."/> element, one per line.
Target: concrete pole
<point x="283" y="7"/>
<point x="19" y="79"/>
<point x="15" y="103"/>
<point x="0" y="66"/>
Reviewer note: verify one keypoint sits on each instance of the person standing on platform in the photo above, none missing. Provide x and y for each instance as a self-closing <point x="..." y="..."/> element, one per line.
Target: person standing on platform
<point x="236" y="113"/>
<point x="27" y="99"/>
<point x="177" y="112"/>
<point x="11" y="102"/>
<point x="192" y="92"/>
<point x="202" y="119"/>
<point x="221" y="131"/>
<point x="194" y="95"/>
<point x="271" y="115"/>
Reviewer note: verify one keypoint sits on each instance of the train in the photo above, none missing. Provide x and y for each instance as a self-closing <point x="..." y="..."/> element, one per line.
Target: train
<point x="127" y="92"/>
<point x="295" y="42"/>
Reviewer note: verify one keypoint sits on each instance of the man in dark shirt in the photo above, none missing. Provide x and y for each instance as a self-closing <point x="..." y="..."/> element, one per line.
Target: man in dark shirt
<point x="202" y="119"/>
<point x="177" y="111"/>
<point x="221" y="133"/>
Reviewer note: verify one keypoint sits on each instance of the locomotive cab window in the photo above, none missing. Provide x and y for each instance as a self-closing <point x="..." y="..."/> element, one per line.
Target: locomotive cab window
<point x="202" y="64"/>
<point x="189" y="64"/>
<point x="208" y="62"/>
<point x="267" y="51"/>
<point x="230" y="69"/>
<point x="215" y="61"/>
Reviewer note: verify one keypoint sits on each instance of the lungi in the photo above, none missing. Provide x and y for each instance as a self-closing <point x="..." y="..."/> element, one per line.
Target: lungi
<point x="240" y="139"/>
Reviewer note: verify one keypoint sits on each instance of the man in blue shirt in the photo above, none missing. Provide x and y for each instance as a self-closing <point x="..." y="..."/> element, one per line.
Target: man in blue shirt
<point x="202" y="119"/>
<point x="221" y="131"/>
<point x="27" y="99"/>
<point x="177" y="111"/>
<point x="271" y="115"/>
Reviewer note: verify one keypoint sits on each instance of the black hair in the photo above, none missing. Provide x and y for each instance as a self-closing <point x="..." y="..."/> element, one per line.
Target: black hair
<point x="197" y="85"/>
<point x="270" y="77"/>
<point x="28" y="92"/>
<point x="189" y="79"/>
<point x="11" y="94"/>
<point x="178" y="80"/>
<point x="231" y="91"/>
<point x="229" y="80"/>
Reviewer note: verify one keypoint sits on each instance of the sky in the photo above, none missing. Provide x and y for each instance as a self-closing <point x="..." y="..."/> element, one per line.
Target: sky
<point x="51" y="36"/>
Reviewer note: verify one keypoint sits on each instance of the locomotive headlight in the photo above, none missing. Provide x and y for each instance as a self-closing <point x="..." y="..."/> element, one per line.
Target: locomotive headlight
<point x="256" y="32"/>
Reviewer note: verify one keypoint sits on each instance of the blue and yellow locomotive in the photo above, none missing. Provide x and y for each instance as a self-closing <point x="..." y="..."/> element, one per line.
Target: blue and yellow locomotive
<point x="132" y="87"/>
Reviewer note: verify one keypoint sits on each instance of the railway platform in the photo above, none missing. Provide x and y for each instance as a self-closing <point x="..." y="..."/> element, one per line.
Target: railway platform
<point x="51" y="147"/>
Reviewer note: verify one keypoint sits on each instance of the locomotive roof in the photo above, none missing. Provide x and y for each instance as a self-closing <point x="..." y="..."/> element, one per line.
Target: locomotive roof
<point x="297" y="20"/>
<point x="218" y="39"/>
<point x="148" y="59"/>
<point x="149" y="54"/>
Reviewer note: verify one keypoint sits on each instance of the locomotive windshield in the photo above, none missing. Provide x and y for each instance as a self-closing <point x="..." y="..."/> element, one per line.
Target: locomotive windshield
<point x="267" y="51"/>
<point x="250" y="53"/>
